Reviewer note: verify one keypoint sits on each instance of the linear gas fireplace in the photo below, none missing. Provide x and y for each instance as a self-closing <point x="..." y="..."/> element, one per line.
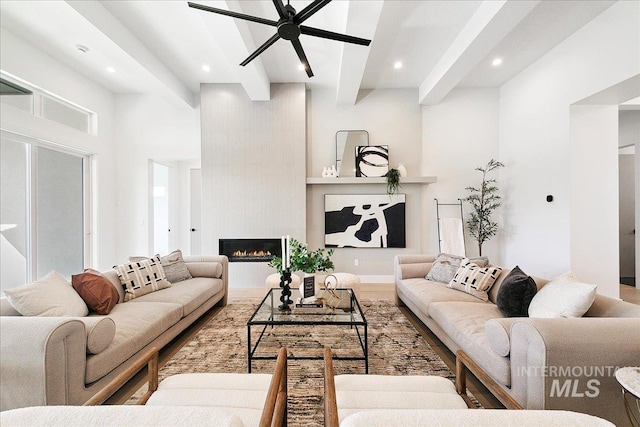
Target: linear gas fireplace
<point x="250" y="250"/>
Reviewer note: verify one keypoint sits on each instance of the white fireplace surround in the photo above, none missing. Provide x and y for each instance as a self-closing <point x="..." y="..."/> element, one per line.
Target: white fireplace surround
<point x="253" y="169"/>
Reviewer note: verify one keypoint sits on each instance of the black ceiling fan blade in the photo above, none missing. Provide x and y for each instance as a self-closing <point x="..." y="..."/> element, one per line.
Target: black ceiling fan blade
<point x="316" y="32"/>
<point x="233" y="14"/>
<point x="261" y="49"/>
<point x="308" y="11"/>
<point x="303" y="58"/>
<point x="280" y="8"/>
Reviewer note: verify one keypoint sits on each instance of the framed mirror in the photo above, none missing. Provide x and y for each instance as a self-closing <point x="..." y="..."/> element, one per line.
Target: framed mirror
<point x="346" y="143"/>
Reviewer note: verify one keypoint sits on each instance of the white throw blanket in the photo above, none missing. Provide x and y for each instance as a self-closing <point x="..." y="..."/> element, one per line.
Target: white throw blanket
<point x="452" y="236"/>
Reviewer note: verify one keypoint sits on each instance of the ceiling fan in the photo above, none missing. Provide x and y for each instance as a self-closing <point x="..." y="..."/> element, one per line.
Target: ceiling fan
<point x="288" y="27"/>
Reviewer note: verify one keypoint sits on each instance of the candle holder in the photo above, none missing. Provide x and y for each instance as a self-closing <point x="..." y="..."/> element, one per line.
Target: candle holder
<point x="285" y="282"/>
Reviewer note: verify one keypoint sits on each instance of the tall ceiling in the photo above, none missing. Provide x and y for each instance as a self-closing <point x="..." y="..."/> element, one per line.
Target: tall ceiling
<point x="162" y="46"/>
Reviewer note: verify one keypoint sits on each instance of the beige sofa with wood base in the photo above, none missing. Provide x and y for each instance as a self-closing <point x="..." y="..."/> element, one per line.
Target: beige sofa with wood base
<point x="47" y="360"/>
<point x="562" y="363"/>
<point x="221" y="400"/>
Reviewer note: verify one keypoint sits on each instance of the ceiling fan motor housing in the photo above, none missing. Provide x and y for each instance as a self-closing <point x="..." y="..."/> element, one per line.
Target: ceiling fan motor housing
<point x="287" y="29"/>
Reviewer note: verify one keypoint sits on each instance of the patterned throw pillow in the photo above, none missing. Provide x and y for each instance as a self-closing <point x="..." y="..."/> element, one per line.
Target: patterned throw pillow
<point x="175" y="269"/>
<point x="142" y="277"/>
<point x="446" y="265"/>
<point x="474" y="280"/>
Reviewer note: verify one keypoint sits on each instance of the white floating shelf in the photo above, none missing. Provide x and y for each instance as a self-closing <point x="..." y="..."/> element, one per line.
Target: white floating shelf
<point x="423" y="180"/>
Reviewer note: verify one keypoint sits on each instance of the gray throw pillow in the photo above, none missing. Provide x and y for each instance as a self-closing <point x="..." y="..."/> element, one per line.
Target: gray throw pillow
<point x="446" y="265"/>
<point x="173" y="265"/>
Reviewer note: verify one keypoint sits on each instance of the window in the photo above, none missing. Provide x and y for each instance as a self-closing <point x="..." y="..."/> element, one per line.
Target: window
<point x="67" y="114"/>
<point x="43" y="210"/>
<point x="40" y="103"/>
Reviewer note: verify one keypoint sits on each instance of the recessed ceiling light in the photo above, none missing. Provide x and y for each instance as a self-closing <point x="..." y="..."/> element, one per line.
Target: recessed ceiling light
<point x="496" y="62"/>
<point x="206" y="68"/>
<point x="111" y="69"/>
<point x="301" y="67"/>
<point x="82" y="48"/>
<point x="397" y="65"/>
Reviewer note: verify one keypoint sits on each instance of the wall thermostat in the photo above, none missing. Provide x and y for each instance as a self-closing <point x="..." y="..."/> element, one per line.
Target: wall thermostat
<point x="549" y="198"/>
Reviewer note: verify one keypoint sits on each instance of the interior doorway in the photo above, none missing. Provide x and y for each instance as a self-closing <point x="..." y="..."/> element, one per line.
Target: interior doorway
<point x="626" y="161"/>
<point x="195" y="176"/>
<point x="161" y="205"/>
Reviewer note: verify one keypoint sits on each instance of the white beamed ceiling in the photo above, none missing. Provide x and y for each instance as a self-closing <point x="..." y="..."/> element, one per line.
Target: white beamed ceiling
<point x="159" y="47"/>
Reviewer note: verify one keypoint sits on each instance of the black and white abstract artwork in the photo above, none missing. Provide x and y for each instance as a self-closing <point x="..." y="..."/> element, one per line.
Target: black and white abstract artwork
<point x="364" y="221"/>
<point x="372" y="160"/>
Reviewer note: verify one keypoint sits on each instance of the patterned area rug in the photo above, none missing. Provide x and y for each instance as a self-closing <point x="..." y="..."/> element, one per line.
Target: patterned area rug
<point x="395" y="348"/>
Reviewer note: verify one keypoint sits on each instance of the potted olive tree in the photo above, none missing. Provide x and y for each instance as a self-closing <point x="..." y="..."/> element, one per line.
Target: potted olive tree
<point x="484" y="201"/>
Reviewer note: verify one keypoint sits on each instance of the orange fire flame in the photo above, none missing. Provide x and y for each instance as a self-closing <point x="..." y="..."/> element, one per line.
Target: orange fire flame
<point x="252" y="254"/>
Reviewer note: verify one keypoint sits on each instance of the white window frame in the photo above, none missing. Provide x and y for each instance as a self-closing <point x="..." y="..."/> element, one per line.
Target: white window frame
<point x="39" y="93"/>
<point x="31" y="208"/>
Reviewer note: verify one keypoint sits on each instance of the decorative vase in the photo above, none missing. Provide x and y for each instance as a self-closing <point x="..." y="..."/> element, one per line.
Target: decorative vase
<point x="285" y="297"/>
<point x="402" y="170"/>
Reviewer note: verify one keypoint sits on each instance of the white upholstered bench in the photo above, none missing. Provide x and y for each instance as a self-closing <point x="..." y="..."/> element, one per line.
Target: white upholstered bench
<point x="418" y="401"/>
<point x="346" y="395"/>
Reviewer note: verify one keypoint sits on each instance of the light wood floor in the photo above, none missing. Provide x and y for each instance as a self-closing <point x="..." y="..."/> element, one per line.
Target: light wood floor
<point x="630" y="294"/>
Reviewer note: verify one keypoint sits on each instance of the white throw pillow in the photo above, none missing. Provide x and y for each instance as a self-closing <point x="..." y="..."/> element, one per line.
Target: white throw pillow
<point x="50" y="296"/>
<point x="564" y="296"/>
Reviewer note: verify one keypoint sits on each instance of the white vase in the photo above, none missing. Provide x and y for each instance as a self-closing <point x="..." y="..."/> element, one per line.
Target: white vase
<point x="402" y="170"/>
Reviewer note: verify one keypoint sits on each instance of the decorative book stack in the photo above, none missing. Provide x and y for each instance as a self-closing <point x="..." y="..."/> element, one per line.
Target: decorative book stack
<point x="309" y="307"/>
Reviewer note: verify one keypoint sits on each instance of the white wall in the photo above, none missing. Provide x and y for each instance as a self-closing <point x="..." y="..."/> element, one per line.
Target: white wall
<point x="594" y="220"/>
<point x="458" y="135"/>
<point x="27" y="62"/>
<point x="149" y="128"/>
<point x="392" y="117"/>
<point x="535" y="142"/>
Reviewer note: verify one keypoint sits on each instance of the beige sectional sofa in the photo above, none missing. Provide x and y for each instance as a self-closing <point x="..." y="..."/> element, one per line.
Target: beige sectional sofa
<point x="562" y="363"/>
<point x="66" y="360"/>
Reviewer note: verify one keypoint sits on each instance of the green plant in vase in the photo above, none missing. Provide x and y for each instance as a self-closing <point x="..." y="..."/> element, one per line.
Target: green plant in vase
<point x="305" y="260"/>
<point x="393" y="181"/>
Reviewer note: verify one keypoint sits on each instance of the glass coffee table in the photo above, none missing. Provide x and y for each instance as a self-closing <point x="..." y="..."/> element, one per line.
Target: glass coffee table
<point x="267" y="315"/>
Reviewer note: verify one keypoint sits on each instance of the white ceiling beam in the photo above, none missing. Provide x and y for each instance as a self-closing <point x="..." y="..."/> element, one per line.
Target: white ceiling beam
<point x="491" y="22"/>
<point x="237" y="45"/>
<point x="362" y="21"/>
<point x="173" y="89"/>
